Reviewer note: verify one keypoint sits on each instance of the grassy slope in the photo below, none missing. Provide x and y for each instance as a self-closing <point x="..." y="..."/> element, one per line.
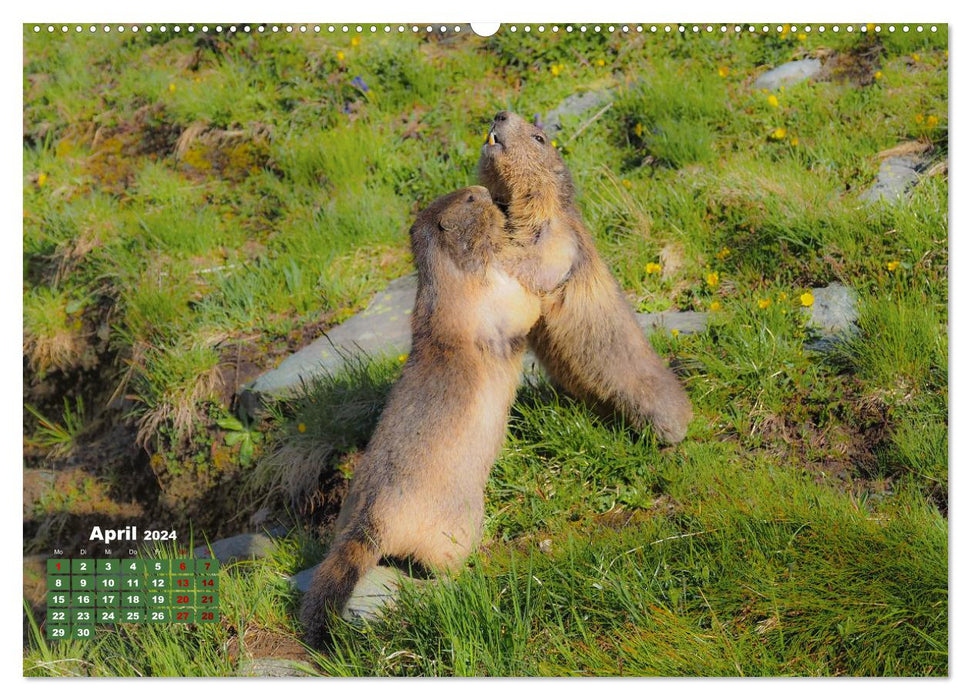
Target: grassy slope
<point x="798" y="530"/>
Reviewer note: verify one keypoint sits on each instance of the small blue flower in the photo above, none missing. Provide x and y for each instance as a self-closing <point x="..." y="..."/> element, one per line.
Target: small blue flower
<point x="359" y="83"/>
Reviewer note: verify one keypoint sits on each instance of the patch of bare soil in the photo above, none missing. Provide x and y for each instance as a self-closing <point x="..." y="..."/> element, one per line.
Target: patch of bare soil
<point x="844" y="453"/>
<point x="856" y="66"/>
<point x="258" y="643"/>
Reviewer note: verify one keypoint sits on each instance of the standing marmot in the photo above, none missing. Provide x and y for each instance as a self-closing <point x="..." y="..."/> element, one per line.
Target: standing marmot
<point x="419" y="490"/>
<point x="588" y="338"/>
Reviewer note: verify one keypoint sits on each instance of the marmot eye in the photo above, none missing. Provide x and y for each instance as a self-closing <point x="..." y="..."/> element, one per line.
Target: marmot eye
<point x="471" y="199"/>
<point x="539" y="138"/>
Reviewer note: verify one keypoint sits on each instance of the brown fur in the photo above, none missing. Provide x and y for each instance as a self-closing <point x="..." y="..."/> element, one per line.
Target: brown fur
<point x="419" y="490"/>
<point x="588" y="338"/>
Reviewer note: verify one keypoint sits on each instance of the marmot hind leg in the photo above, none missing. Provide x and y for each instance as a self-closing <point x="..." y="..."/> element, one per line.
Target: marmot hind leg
<point x="590" y="344"/>
<point x="349" y="558"/>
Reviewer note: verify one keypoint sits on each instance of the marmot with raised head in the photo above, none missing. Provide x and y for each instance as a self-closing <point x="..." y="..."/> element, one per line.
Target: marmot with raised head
<point x="419" y="490"/>
<point x="587" y="338"/>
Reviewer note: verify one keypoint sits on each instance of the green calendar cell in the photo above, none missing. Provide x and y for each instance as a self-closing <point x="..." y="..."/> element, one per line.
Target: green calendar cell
<point x="207" y="566"/>
<point x="58" y="599"/>
<point x="56" y="582"/>
<point x="183" y="583"/>
<point x="157" y="582"/>
<point x="133" y="615"/>
<point x="207" y="583"/>
<point x="82" y="632"/>
<point x="207" y="616"/>
<point x="183" y="615"/>
<point x="157" y="566"/>
<point x="181" y="567"/>
<point x="82" y="616"/>
<point x="58" y="566"/>
<point x="132" y="566"/>
<point x="107" y="616"/>
<point x="132" y="583"/>
<point x="107" y="566"/>
<point x="83" y="583"/>
<point x="82" y="599"/>
<point x="207" y="598"/>
<point x="108" y="582"/>
<point x="59" y="616"/>
<point x="82" y="566"/>
<point x="132" y="599"/>
<point x="108" y="599"/>
<point x="183" y="598"/>
<point x="161" y="615"/>
<point x="158" y="599"/>
<point x="58" y="631"/>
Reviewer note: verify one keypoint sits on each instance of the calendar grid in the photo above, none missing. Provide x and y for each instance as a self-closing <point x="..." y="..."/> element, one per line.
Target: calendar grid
<point x="86" y="593"/>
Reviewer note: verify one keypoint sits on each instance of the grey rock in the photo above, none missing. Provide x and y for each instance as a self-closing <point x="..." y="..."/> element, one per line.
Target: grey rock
<point x="383" y="328"/>
<point x="575" y="105"/>
<point x="375" y="592"/>
<point x="788" y="74"/>
<point x="895" y="177"/>
<point x="833" y="315"/>
<point x="273" y="668"/>
<point x="240" y="547"/>
<point x="301" y="581"/>
<point x="682" y="321"/>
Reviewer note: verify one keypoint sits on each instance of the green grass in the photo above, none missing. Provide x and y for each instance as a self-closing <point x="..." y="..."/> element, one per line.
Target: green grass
<point x="188" y="205"/>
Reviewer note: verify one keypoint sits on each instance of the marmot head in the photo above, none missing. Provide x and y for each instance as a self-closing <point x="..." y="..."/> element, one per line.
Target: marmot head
<point x="464" y="225"/>
<point x="522" y="169"/>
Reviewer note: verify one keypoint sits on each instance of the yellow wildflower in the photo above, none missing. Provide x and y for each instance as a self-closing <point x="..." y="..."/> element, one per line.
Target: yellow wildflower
<point x="626" y="183"/>
<point x="878" y="75"/>
<point x="870" y="26"/>
<point x="893" y="265"/>
<point x="916" y="57"/>
<point x="764" y="303"/>
<point x="600" y="62"/>
<point x="171" y="87"/>
<point x="722" y="71"/>
<point x="806" y="299"/>
<point x="41" y="179"/>
<point x="773" y="101"/>
<point x="783" y="296"/>
<point x="340" y="55"/>
<point x="402" y="358"/>
<point x="675" y="332"/>
<point x="931" y="120"/>
<point x="779" y="134"/>
<point x="712" y="279"/>
<point x="557" y="68"/>
<point x="794" y="141"/>
<point x="356" y="41"/>
<point x="715" y="306"/>
<point x="801" y="36"/>
<point x="919" y="118"/>
<point x="301" y="428"/>
<point x="638" y="129"/>
<point x="553" y="143"/>
<point x="723" y="253"/>
<point x="652" y="268"/>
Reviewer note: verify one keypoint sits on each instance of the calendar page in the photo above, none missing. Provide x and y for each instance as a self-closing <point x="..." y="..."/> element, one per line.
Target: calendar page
<point x="528" y="349"/>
